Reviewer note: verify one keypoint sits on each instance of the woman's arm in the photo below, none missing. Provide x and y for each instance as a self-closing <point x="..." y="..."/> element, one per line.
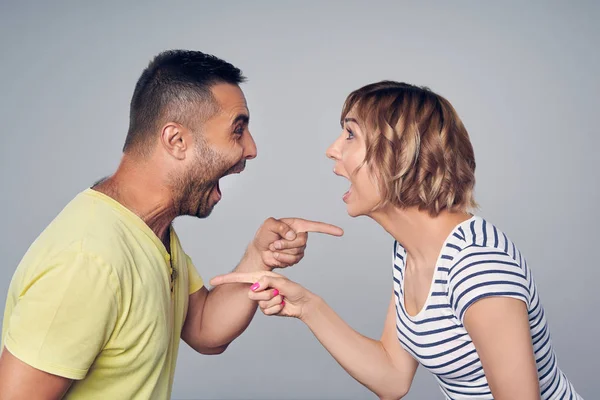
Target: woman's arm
<point x="383" y="366"/>
<point x="499" y="328"/>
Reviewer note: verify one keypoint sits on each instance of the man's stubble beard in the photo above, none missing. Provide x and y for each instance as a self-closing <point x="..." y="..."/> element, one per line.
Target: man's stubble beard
<point x="191" y="192"/>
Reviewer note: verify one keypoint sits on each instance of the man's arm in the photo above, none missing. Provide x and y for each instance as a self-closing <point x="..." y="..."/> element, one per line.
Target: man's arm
<point x="57" y="328"/>
<point x="215" y="318"/>
<point x="21" y="381"/>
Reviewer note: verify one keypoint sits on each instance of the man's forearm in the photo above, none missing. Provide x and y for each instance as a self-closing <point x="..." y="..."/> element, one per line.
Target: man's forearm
<point x="228" y="310"/>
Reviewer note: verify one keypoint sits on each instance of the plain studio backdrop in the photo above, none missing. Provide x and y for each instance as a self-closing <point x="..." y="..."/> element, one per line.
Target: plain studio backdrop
<point x="522" y="76"/>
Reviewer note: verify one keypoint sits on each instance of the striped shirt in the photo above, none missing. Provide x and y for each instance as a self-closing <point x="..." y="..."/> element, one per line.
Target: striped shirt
<point x="477" y="260"/>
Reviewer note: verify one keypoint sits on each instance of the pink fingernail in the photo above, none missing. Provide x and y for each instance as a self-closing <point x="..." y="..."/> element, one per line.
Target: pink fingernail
<point x="275" y="292"/>
<point x="282" y="303"/>
<point x="255" y="286"/>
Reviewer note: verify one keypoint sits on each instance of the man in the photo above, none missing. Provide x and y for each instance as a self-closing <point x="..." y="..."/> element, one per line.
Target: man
<point x="96" y="307"/>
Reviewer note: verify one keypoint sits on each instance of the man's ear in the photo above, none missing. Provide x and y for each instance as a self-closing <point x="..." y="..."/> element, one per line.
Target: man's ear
<point x="174" y="139"/>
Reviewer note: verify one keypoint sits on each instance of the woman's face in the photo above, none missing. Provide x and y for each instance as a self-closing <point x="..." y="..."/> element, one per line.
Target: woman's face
<point x="348" y="151"/>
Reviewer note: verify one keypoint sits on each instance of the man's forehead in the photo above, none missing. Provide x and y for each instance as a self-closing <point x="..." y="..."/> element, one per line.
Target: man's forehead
<point x="230" y="99"/>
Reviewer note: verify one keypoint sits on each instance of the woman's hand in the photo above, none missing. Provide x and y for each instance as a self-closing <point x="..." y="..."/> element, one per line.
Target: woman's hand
<point x="276" y="294"/>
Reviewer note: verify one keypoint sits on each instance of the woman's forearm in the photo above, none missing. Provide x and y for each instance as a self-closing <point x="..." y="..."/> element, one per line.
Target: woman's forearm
<point x="365" y="359"/>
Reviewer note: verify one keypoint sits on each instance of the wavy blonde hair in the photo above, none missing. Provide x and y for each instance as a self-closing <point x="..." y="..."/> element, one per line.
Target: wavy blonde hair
<point x="418" y="149"/>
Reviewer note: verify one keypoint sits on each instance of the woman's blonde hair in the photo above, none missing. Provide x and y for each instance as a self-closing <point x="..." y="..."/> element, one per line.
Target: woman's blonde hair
<point x="417" y="147"/>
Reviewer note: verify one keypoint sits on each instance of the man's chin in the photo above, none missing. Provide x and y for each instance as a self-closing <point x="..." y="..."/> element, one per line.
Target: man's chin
<point x="205" y="213"/>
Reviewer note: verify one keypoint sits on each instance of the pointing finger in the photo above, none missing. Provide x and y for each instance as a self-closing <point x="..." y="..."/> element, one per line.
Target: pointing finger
<point x="237" y="277"/>
<point x="304" y="225"/>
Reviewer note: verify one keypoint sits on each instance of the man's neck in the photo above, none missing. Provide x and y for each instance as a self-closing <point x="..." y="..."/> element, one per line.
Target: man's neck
<point x="137" y="187"/>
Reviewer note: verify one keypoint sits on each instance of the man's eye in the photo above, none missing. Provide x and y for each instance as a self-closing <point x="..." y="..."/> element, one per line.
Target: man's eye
<point x="239" y="130"/>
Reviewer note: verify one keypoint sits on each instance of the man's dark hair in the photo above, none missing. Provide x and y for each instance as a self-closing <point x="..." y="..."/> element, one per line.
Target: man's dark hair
<point x="171" y="88"/>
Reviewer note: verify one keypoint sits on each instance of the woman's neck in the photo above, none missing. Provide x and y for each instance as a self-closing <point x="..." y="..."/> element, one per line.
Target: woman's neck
<point x="418" y="232"/>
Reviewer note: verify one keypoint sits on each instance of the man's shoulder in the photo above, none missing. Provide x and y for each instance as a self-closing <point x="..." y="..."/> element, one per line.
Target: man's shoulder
<point x="86" y="225"/>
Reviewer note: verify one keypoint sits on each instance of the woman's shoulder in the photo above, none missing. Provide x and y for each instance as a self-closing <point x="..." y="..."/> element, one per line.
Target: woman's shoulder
<point x="481" y="235"/>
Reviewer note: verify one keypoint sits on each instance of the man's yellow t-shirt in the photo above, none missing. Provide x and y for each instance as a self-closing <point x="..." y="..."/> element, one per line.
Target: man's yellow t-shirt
<point x="91" y="301"/>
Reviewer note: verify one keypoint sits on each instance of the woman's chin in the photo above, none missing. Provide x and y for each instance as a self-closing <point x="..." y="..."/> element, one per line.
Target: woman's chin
<point x="352" y="211"/>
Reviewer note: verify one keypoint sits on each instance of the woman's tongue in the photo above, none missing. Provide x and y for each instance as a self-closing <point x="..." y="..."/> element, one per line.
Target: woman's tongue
<point x="347" y="194"/>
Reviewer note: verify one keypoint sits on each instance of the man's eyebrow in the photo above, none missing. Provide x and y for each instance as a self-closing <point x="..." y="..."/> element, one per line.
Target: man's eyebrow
<point x="245" y="118"/>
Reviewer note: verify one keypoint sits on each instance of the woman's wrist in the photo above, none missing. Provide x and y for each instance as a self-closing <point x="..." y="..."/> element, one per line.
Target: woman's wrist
<point x="311" y="308"/>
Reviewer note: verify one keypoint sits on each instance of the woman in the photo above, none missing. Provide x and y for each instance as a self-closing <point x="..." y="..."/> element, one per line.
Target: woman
<point x="464" y="302"/>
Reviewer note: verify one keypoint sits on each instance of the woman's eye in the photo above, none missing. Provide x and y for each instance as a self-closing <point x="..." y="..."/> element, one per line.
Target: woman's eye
<point x="350" y="135"/>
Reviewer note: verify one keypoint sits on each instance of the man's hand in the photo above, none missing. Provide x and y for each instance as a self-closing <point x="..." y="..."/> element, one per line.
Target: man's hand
<point x="281" y="243"/>
<point x="214" y="319"/>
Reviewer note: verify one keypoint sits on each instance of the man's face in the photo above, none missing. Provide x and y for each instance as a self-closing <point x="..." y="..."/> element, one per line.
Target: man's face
<point x="222" y="148"/>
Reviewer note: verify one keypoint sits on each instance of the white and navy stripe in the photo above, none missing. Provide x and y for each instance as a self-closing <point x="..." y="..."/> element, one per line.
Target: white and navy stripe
<point x="476" y="261"/>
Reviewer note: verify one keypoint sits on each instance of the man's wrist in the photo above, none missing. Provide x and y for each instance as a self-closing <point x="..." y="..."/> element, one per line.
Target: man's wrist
<point x="252" y="261"/>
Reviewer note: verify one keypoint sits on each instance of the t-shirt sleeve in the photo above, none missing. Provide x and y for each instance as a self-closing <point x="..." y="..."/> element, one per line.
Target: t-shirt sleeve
<point x="195" y="281"/>
<point x="65" y="316"/>
<point x="480" y="272"/>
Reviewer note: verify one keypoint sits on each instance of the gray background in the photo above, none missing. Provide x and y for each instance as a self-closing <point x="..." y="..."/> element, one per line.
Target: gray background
<point x="524" y="78"/>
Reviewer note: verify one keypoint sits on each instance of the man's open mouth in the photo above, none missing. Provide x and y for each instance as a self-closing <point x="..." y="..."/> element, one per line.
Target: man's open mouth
<point x="237" y="169"/>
